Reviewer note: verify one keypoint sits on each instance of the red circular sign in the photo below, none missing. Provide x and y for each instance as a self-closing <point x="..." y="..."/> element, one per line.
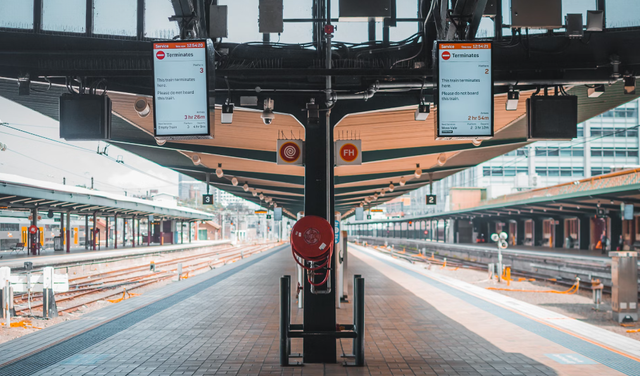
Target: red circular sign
<point x="33" y="229"/>
<point x="289" y="152"/>
<point x="160" y="55"/>
<point x="446" y="55"/>
<point x="349" y="152"/>
<point x="312" y="236"/>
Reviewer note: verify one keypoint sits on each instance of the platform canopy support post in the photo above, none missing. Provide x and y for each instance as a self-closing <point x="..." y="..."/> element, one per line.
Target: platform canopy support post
<point x="319" y="309"/>
<point x="68" y="232"/>
<point x="86" y="232"/>
<point x="62" y="230"/>
<point x="115" y="231"/>
<point x="95" y="231"/>
<point x="106" y="232"/>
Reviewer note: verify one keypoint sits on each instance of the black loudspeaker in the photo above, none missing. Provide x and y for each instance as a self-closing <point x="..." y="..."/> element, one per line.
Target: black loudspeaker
<point x="85" y="117"/>
<point x="552" y="117"/>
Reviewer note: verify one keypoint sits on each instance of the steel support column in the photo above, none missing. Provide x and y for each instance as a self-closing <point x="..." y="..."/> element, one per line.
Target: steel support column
<point x="133" y="232"/>
<point x="68" y="232"/>
<point x="95" y="231"/>
<point x="86" y="231"/>
<point x="62" y="230"/>
<point x="106" y="232"/>
<point x="124" y="232"/>
<point x="319" y="309"/>
<point x="115" y="231"/>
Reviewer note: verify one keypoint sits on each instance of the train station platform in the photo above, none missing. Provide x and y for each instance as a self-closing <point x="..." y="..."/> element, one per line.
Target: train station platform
<point x="50" y="257"/>
<point x="226" y="321"/>
<point x="519" y="250"/>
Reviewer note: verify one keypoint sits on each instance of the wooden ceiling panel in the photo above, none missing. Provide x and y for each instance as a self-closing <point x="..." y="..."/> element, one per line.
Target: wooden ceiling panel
<point x="246" y="132"/>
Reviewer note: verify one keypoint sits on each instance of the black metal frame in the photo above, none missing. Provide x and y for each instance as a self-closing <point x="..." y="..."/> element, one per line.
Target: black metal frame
<point x="355" y="331"/>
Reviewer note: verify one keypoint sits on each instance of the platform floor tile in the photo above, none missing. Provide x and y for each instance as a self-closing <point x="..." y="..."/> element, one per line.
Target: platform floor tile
<point x="231" y="327"/>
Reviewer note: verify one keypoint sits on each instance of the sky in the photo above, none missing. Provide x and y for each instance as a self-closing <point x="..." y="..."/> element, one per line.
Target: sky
<point x="45" y="156"/>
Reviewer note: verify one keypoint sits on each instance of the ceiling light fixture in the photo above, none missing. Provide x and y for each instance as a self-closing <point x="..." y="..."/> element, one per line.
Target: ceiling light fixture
<point x="418" y="171"/>
<point x="630" y="85"/>
<point x="422" y="112"/>
<point x="254" y="193"/>
<point x="245" y="187"/>
<point x="234" y="181"/>
<point x="391" y="186"/>
<point x="226" y="116"/>
<point x="595" y="91"/>
<point x="513" y="97"/>
<point x="196" y="159"/>
<point x="142" y="107"/>
<point x="219" y="172"/>
<point x="476" y="142"/>
<point x="442" y="159"/>
<point x="403" y="181"/>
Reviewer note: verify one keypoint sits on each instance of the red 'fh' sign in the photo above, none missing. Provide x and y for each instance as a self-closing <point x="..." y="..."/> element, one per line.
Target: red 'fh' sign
<point x="349" y="152"/>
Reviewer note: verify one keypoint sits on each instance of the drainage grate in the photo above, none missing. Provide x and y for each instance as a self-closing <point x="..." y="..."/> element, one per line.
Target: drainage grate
<point x="67" y="349"/>
<point x="84" y="359"/>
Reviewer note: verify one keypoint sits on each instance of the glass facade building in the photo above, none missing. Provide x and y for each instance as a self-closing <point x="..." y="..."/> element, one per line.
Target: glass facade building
<point x="605" y="143"/>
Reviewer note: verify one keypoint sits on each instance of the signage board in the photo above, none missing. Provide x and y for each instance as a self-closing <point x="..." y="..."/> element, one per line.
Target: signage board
<point x="207" y="199"/>
<point x="359" y="214"/>
<point x="465" y="90"/>
<point x="348" y="152"/>
<point x="268" y="216"/>
<point x="368" y="216"/>
<point x="260" y="212"/>
<point x="33" y="229"/>
<point x="628" y="212"/>
<point x="290" y="152"/>
<point x="431" y="200"/>
<point x="277" y="214"/>
<point x="376" y="210"/>
<point x="182" y="71"/>
<point x="336" y="231"/>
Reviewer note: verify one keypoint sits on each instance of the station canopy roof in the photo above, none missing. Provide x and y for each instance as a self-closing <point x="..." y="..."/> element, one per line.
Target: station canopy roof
<point x="602" y="195"/>
<point x="394" y="61"/>
<point x="20" y="193"/>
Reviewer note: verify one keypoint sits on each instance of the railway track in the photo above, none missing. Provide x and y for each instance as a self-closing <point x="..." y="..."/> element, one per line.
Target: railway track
<point x="104" y="285"/>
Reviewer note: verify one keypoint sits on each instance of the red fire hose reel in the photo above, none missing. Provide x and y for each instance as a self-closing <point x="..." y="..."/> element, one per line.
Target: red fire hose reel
<point x="312" y="243"/>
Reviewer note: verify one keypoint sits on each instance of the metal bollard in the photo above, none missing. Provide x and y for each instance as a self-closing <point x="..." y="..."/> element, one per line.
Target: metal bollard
<point x="359" y="322"/>
<point x="179" y="272"/>
<point x="355" y="308"/>
<point x="285" y="311"/>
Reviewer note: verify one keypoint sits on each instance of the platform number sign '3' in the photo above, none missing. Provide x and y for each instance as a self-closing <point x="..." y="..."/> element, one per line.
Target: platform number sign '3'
<point x="207" y="199"/>
<point x="431" y="200"/>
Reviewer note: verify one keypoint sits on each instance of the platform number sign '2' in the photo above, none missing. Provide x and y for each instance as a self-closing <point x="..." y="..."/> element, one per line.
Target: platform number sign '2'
<point x="431" y="200"/>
